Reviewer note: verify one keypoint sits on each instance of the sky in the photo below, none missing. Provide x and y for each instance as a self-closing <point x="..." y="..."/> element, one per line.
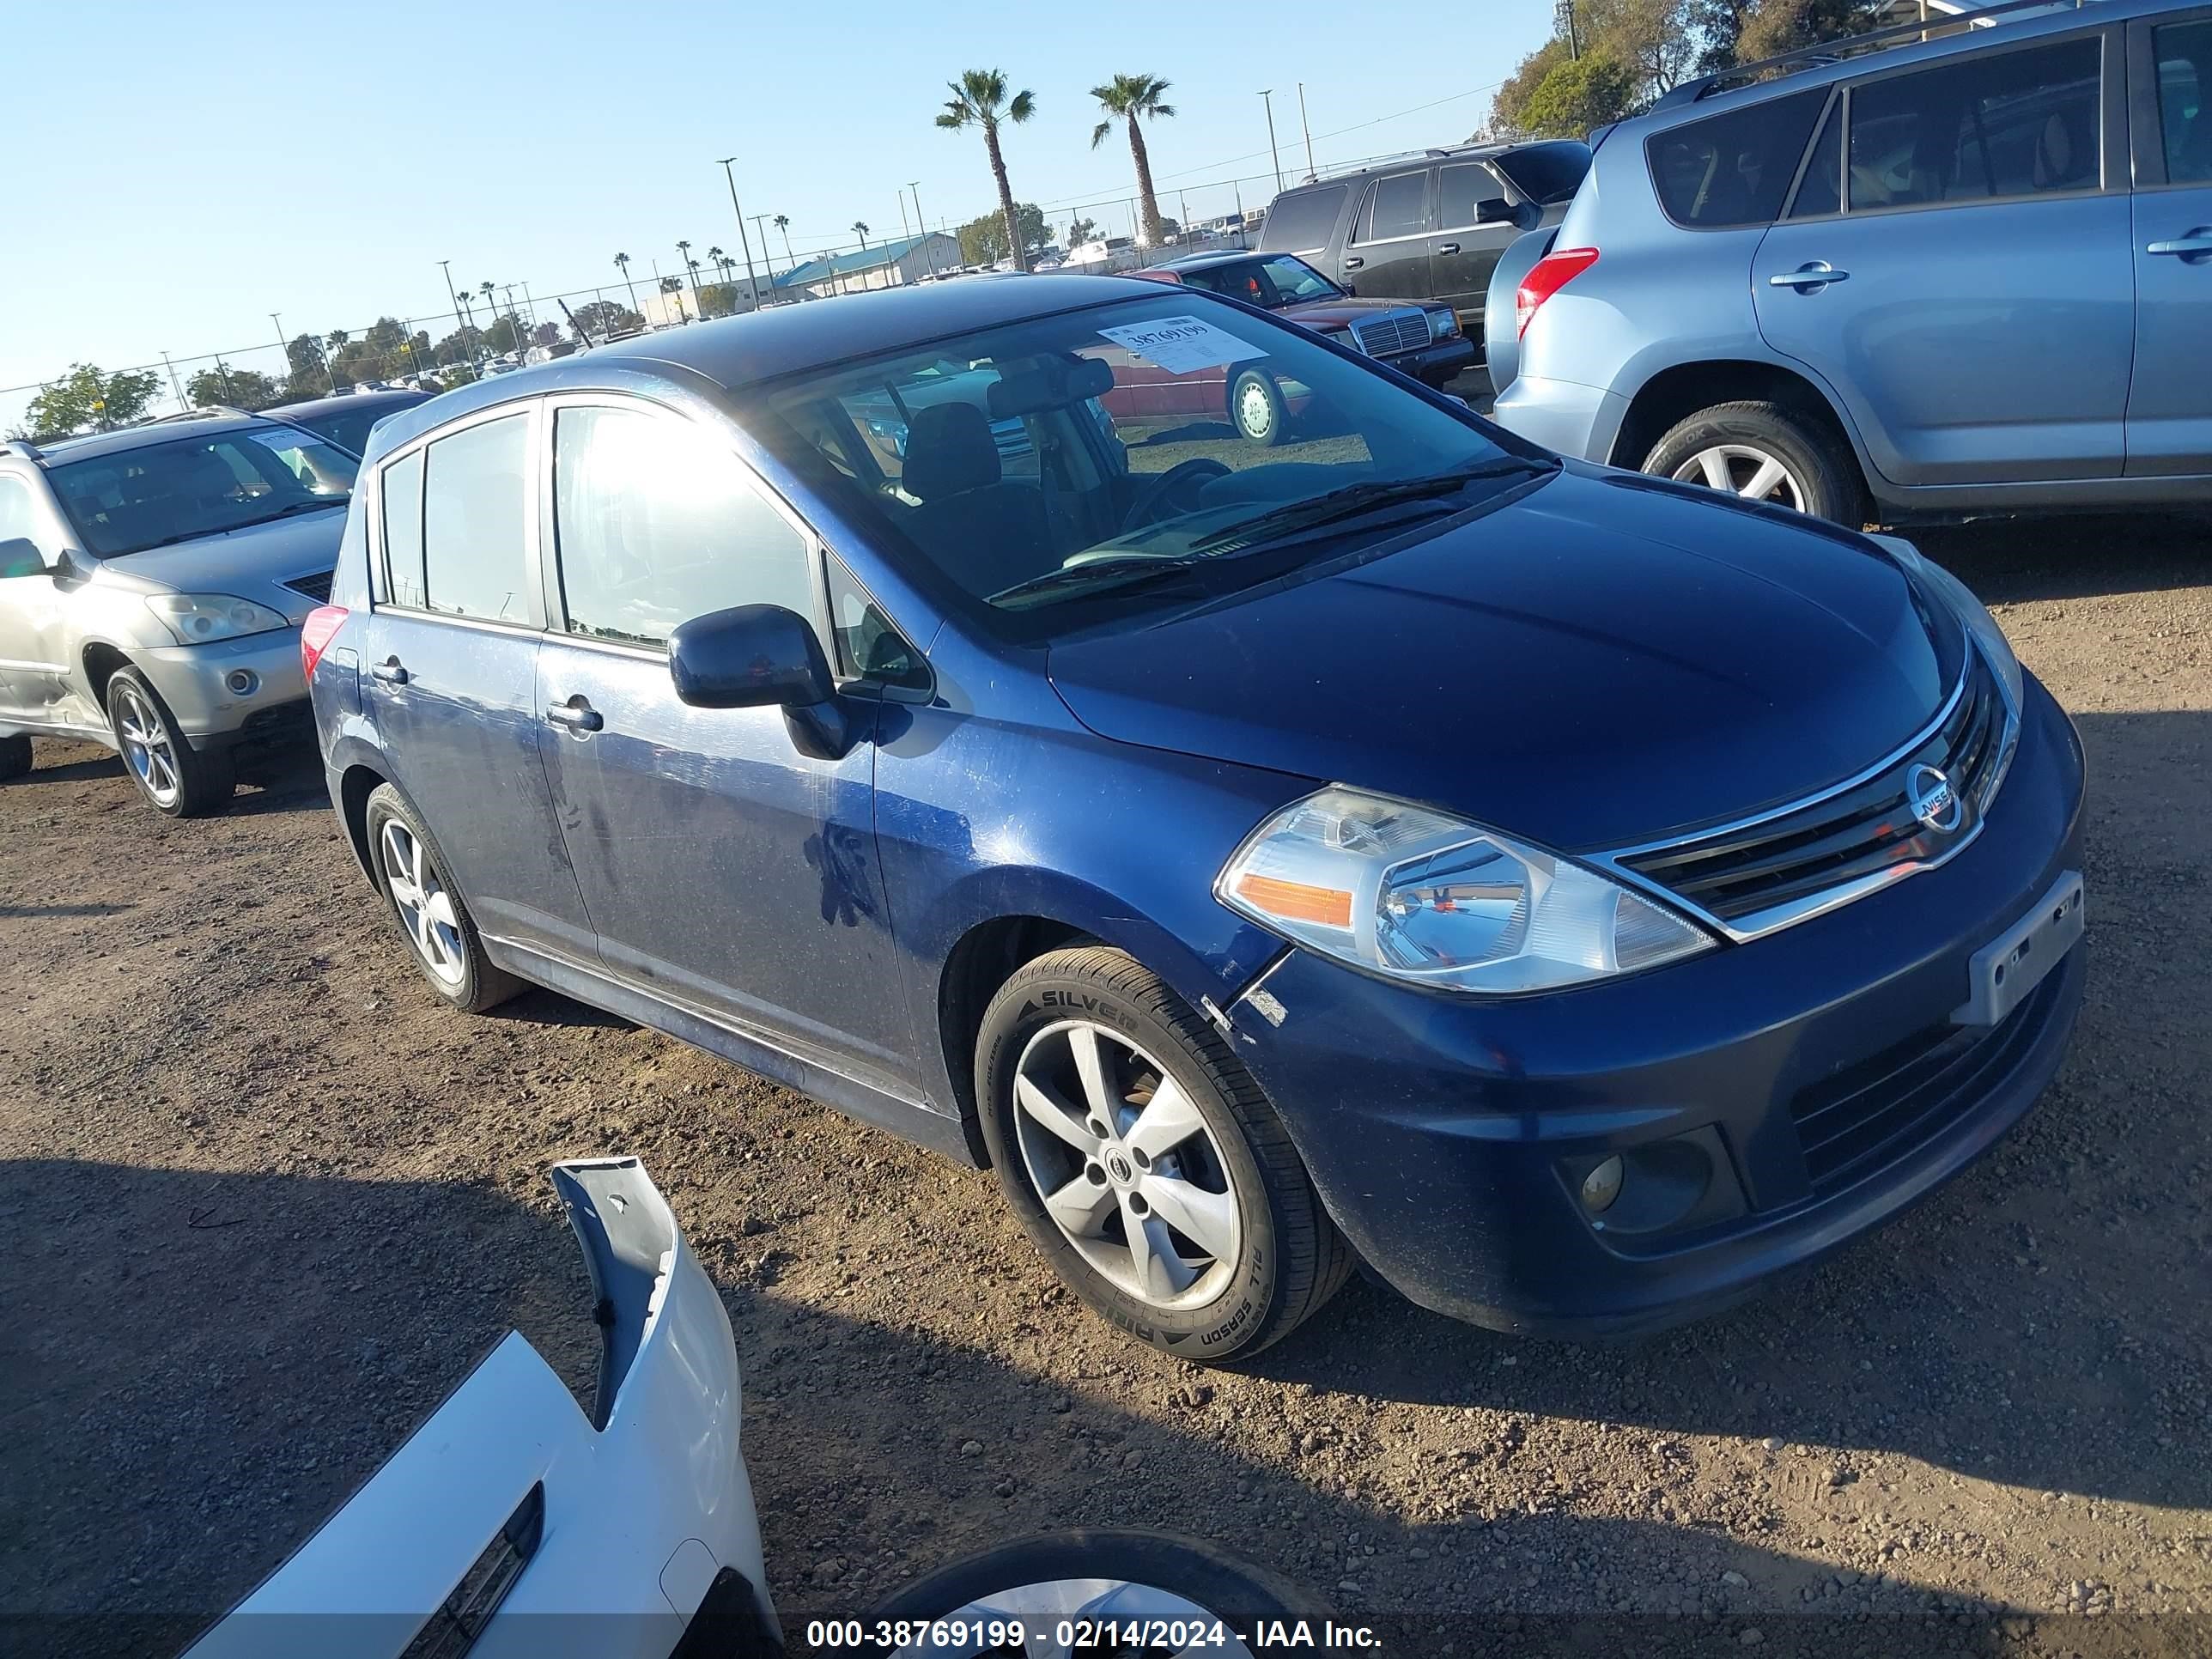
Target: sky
<point x="198" y="166"/>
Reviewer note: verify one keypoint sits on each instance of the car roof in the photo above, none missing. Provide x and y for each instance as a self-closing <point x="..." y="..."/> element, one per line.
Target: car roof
<point x="734" y="352"/>
<point x="93" y="445"/>
<point x="1417" y="157"/>
<point x="345" y="401"/>
<point x="1218" y="257"/>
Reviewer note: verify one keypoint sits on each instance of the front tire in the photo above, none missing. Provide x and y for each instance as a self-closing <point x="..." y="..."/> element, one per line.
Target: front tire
<point x="1111" y="1576"/>
<point x="15" y="757"/>
<point x="1764" y="452"/>
<point x="441" y="936"/>
<point x="1146" y="1163"/>
<point x="1255" y="406"/>
<point x="174" y="777"/>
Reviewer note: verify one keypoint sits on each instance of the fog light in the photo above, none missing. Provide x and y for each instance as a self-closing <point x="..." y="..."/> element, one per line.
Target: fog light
<point x="1602" y="1186"/>
<point x="242" y="682"/>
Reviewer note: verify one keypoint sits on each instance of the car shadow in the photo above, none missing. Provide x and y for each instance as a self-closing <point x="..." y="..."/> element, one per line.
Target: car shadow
<point x="202" y="1366"/>
<point x="25" y="911"/>
<point x="2073" y="555"/>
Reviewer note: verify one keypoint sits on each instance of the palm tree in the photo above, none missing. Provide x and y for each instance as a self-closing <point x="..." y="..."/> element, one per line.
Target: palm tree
<point x="783" y="223"/>
<point x="978" y="99"/>
<point x="622" y="264"/>
<point x="1129" y="97"/>
<point x="716" y="258"/>
<point x="861" y="226"/>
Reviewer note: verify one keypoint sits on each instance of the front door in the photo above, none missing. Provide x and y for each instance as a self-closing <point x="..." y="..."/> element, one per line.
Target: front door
<point x="723" y="868"/>
<point x="1972" y="304"/>
<point x="2170" y="404"/>
<point x="1464" y="250"/>
<point x="1387" y="255"/>
<point x="449" y="659"/>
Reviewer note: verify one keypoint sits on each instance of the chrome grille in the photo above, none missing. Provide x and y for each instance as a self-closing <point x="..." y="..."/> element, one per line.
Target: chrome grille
<point x="316" y="587"/>
<point x="1388" y="335"/>
<point x="1752" y="877"/>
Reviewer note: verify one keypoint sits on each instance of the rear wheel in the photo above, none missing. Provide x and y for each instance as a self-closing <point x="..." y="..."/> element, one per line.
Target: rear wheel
<point x="174" y="777"/>
<point x="1763" y="452"/>
<point x="440" y="930"/>
<point x="1255" y="404"/>
<point x="1145" y="1161"/>
<point x="15" y="758"/>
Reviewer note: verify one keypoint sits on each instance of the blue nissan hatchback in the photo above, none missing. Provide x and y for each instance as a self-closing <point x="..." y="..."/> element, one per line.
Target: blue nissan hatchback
<point x="1573" y="894"/>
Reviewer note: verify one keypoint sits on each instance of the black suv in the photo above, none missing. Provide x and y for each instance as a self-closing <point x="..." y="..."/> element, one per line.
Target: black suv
<point x="1429" y="226"/>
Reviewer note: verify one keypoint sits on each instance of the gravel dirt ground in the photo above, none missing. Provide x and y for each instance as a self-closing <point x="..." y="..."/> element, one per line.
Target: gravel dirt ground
<point x="266" y="1201"/>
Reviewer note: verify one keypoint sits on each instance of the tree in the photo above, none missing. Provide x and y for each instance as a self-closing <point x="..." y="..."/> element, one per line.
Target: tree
<point x="983" y="242"/>
<point x="601" y="318"/>
<point x="782" y="222"/>
<point x="1512" y="99"/>
<point x="1079" y="231"/>
<point x="239" y="388"/>
<point x="622" y="264"/>
<point x="1133" y="99"/>
<point x="1657" y="41"/>
<point x="1773" y="27"/>
<point x="978" y="99"/>
<point x="89" y="396"/>
<point x="1577" y="95"/>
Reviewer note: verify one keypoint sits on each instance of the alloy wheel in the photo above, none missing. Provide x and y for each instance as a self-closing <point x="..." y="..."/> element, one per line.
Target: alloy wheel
<point x="1075" y="1607"/>
<point x="426" y="909"/>
<point x="147" y="746"/>
<point x="1126" y="1166"/>
<point x="1254" y="413"/>
<point x="1742" y="471"/>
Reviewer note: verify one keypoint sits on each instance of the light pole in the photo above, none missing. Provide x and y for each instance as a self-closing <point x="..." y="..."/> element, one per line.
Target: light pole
<point x="447" y="265"/>
<point x="760" y="229"/>
<point x="752" y="280"/>
<point x="1267" y="98"/>
<point x="276" y="323"/>
<point x="1303" y="127"/>
<point x="922" y="226"/>
<point x="182" y="408"/>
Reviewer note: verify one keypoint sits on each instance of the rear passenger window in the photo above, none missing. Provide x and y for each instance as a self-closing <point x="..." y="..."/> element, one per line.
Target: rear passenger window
<point x="657" y="523"/>
<point x="2001" y="123"/>
<point x="2183" y="52"/>
<point x="1398" y="207"/>
<point x="1821" y="190"/>
<point x="475" y="504"/>
<point x="1734" y="168"/>
<point x="403" y="532"/>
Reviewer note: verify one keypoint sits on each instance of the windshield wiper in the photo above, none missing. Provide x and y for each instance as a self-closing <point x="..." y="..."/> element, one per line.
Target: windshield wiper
<point x="312" y="504"/>
<point x="1353" y="500"/>
<point x="1121" y="570"/>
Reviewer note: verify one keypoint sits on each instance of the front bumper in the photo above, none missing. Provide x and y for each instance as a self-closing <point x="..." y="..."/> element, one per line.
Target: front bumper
<point x="192" y="681"/>
<point x="1446" y="1137"/>
<point x="624" y="1532"/>
<point x="1435" y="364"/>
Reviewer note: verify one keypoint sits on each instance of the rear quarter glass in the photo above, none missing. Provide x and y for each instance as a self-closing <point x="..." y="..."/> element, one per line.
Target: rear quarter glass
<point x="1304" y="220"/>
<point x="1732" y="168"/>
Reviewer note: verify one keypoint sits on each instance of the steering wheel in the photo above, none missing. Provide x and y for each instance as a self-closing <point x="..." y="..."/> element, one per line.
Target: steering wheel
<point x="1194" y="471"/>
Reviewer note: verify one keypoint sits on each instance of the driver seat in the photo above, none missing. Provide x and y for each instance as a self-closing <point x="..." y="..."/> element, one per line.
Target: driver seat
<point x="985" y="532"/>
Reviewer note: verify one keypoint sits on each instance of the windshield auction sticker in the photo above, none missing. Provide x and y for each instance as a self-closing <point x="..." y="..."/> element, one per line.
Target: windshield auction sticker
<point x="1181" y="344"/>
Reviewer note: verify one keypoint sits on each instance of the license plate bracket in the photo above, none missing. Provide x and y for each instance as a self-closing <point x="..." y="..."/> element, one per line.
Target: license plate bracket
<point x="2003" y="973"/>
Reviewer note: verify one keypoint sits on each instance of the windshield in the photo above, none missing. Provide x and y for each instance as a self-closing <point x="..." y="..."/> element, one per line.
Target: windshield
<point x="136" y="499"/>
<point x="1270" y="284"/>
<point x="1050" y="474"/>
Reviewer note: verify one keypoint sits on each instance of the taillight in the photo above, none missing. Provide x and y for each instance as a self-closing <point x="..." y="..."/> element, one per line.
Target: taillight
<point x="316" y="633"/>
<point x="1546" y="277"/>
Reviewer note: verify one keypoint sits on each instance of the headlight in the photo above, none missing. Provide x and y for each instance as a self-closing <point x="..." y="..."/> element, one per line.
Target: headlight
<point x="1442" y="325"/>
<point x="197" y="619"/>
<point x="1957" y="598"/>
<point x="1402" y="890"/>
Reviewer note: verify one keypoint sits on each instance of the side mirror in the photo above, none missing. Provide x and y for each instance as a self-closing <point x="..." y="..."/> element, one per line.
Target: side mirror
<point x="19" y="556"/>
<point x="757" y="656"/>
<point x="1494" y="211"/>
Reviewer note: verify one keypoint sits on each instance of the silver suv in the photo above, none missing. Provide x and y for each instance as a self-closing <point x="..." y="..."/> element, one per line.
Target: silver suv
<point x="152" y="585"/>
<point x="1963" y="275"/>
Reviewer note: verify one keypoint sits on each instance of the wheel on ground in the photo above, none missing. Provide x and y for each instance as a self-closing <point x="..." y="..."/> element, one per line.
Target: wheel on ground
<point x="1255" y="404"/>
<point x="15" y="757"/>
<point x="174" y="776"/>
<point x="1107" y="1577"/>
<point x="440" y="934"/>
<point x="1763" y="452"/>
<point x="1146" y="1163"/>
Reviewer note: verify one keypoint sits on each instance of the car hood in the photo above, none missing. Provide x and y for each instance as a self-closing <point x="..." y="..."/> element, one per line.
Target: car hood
<point x="1341" y="314"/>
<point x="252" y="563"/>
<point x="1601" y="661"/>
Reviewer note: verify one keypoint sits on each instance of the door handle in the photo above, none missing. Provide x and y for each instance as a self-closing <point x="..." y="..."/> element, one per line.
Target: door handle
<point x="1819" y="274"/>
<point x="576" y="714"/>
<point x="2197" y="241"/>
<point x="1353" y="263"/>
<point x="390" y="671"/>
<point x="1448" y="247"/>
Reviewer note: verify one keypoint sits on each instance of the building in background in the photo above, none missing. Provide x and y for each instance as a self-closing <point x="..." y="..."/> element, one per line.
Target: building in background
<point x="903" y="259"/>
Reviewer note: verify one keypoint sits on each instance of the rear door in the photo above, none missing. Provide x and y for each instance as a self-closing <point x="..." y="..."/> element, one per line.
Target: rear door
<point x="1464" y="251"/>
<point x="1387" y="255"/>
<point x="2170" y="402"/>
<point x="724" y="869"/>
<point x="450" y="661"/>
<point x="1962" y="278"/>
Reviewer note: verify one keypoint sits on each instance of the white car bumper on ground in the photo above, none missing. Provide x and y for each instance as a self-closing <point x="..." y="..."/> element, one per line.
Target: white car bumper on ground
<point x="511" y="1523"/>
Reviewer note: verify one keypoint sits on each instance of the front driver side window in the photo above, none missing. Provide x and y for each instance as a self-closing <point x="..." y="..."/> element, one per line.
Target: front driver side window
<point x="657" y="523"/>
